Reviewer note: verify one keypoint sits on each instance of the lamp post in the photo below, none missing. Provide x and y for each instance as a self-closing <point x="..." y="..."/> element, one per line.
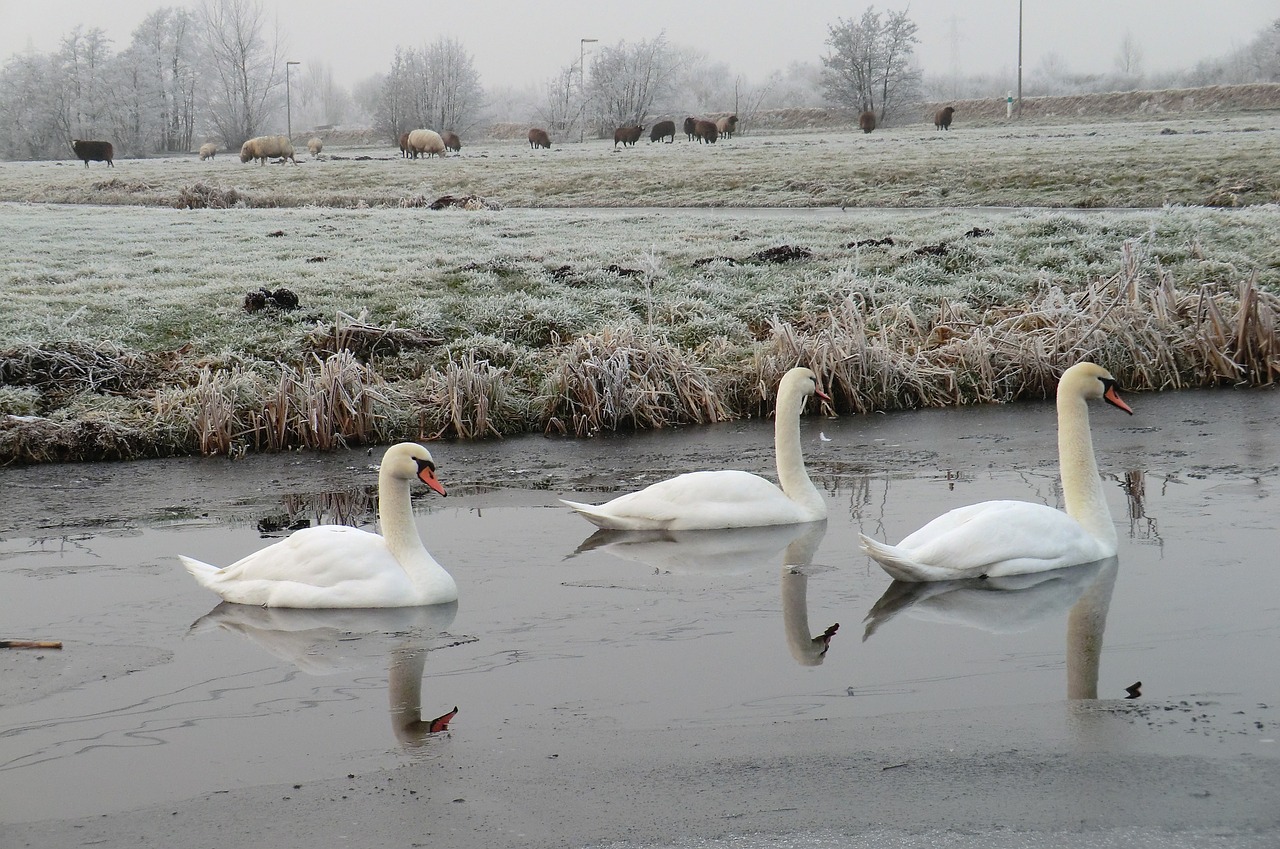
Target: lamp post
<point x="288" y="104"/>
<point x="582" y="83"/>
<point x="1019" y="58"/>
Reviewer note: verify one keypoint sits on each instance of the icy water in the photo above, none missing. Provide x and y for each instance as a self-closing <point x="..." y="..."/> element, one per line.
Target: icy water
<point x="159" y="694"/>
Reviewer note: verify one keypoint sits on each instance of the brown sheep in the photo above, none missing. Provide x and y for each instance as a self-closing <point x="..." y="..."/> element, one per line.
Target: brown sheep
<point x="426" y="143"/>
<point x="451" y="141"/>
<point x="942" y="118"/>
<point x="690" y="127"/>
<point x="727" y="126"/>
<point x="208" y="150"/>
<point x="314" y="146"/>
<point x="661" y="130"/>
<point x="867" y="121"/>
<point x="627" y="135"/>
<point x="539" y="138"/>
<point x="98" y="151"/>
<point x="404" y="145"/>
<point x="263" y="148"/>
<point x="706" y="131"/>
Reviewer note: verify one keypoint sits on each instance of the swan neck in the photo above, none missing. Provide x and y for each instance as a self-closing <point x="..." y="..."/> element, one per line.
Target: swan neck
<point x="395" y="519"/>
<point x="1081" y="484"/>
<point x="792" y="475"/>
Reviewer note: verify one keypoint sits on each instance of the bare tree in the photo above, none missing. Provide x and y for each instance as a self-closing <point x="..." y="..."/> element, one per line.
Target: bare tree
<point x="32" y="123"/>
<point x="561" y="109"/>
<point x="626" y="79"/>
<point x="84" y="61"/>
<point x="1128" y="62"/>
<point x="244" y="63"/>
<point x="434" y="87"/>
<point x="870" y="66"/>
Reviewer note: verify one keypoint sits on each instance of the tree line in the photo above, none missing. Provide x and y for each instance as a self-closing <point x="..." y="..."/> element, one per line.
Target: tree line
<point x="218" y="72"/>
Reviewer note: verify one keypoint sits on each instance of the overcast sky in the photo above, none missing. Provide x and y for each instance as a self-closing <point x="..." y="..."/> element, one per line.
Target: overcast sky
<point x="520" y="42"/>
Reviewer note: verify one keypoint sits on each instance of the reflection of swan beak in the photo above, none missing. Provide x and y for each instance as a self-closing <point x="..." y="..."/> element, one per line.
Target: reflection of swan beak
<point x="404" y="687"/>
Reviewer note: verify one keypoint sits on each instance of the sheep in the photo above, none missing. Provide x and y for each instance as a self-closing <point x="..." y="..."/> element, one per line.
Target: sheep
<point x="727" y="125"/>
<point x="263" y="148"/>
<point x="425" y="143"/>
<point x="690" y="127"/>
<point x="98" y="151"/>
<point x="627" y="135"/>
<point x="314" y="145"/>
<point x="661" y="130"/>
<point x="942" y="118"/>
<point x="539" y="138"/>
<point x="867" y="121"/>
<point x="705" y="131"/>
<point x="404" y="145"/>
<point x="208" y="150"/>
<point x="452" y="142"/>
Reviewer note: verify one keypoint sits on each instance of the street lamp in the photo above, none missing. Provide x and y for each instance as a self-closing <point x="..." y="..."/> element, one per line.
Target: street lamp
<point x="288" y="105"/>
<point x="582" y="83"/>
<point x="1019" y="58"/>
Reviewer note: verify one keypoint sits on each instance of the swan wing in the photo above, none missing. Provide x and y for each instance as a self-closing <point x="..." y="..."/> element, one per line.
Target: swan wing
<point x="991" y="539"/>
<point x="324" y="566"/>
<point x="697" y="501"/>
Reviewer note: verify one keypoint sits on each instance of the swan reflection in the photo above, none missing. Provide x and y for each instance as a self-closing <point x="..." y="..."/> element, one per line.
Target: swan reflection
<point x="807" y="649"/>
<point x="329" y="641"/>
<point x="730" y="551"/>
<point x="1017" y="603"/>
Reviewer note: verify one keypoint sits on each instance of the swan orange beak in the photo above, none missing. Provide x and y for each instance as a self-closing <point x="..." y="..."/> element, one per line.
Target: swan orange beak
<point x="824" y="396"/>
<point x="1112" y="397"/>
<point x="428" y="476"/>
<point x="441" y="723"/>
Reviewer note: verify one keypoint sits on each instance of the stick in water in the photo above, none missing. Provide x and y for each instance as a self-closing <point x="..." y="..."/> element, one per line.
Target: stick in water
<point x="30" y="644"/>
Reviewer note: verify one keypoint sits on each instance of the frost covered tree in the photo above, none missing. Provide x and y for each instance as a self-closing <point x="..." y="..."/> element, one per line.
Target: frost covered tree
<point x="32" y="123"/>
<point x="870" y="66"/>
<point x="625" y="81"/>
<point x="434" y="87"/>
<point x="243" y="68"/>
<point x="561" y="109"/>
<point x="162" y="56"/>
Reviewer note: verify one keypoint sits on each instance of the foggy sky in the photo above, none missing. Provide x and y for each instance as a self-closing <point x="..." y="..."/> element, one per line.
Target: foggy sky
<point x="520" y="43"/>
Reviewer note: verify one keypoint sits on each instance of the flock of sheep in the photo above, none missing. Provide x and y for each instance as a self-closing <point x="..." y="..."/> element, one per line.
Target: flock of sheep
<point x="427" y="143"/>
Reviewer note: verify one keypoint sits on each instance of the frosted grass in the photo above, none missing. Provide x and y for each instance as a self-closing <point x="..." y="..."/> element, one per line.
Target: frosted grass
<point x="1220" y="160"/>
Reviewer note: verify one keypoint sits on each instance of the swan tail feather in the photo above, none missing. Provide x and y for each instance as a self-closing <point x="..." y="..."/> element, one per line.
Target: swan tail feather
<point x="895" y="561"/>
<point x="591" y="513"/>
<point x="201" y="571"/>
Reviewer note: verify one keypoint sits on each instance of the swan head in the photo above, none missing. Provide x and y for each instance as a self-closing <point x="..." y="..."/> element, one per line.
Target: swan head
<point x="409" y="460"/>
<point x="1090" y="381"/>
<point x="804" y="381"/>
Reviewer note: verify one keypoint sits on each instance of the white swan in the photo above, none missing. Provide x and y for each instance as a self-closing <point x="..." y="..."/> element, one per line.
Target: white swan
<point x="338" y="566"/>
<point x="728" y="499"/>
<point x="996" y="538"/>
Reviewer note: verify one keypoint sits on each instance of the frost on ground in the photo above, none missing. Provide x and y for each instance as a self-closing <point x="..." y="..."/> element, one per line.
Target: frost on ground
<point x="127" y="332"/>
<point x="1199" y="159"/>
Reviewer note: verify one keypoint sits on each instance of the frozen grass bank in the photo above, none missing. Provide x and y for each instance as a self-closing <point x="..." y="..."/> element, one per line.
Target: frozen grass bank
<point x="127" y="333"/>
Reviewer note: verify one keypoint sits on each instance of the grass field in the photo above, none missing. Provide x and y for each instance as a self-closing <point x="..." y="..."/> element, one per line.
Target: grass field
<point x="128" y="333"/>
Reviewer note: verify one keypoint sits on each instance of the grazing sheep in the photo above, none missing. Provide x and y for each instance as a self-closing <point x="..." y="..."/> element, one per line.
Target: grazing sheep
<point x="539" y="138"/>
<point x="942" y="118"/>
<point x="661" y="130"/>
<point x="706" y="131"/>
<point x="867" y="121"/>
<point x="263" y="148"/>
<point x="208" y="150"/>
<point x="425" y="143"/>
<point x="404" y="145"/>
<point x="314" y="145"/>
<point x="727" y="126"/>
<point x="690" y="127"/>
<point x="98" y="151"/>
<point x="451" y="141"/>
<point x="627" y="135"/>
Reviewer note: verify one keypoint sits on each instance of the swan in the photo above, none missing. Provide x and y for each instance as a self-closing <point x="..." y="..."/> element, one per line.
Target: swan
<point x="997" y="538"/>
<point x="728" y="499"/>
<point x="339" y="566"/>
